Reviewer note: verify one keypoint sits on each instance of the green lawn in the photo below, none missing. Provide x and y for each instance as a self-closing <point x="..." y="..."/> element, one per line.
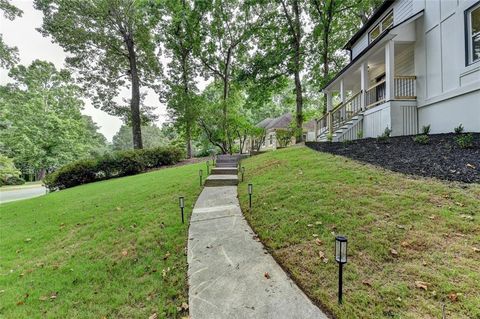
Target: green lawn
<point x="414" y="244"/>
<point x="113" y="249"/>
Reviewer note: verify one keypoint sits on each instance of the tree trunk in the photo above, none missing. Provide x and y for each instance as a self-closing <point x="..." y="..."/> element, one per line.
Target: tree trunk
<point x="41" y="174"/>
<point x="298" y="82"/>
<point x="226" y="79"/>
<point x="135" y="100"/>
<point x="188" y="139"/>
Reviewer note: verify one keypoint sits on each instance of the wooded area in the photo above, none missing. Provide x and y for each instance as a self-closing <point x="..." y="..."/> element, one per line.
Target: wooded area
<point x="220" y="67"/>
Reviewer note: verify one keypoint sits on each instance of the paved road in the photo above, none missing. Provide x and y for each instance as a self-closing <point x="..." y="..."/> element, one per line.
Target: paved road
<point x="22" y="193"/>
<point x="230" y="273"/>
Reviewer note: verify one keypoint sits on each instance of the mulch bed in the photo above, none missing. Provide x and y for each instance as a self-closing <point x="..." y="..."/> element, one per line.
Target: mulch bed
<point x="442" y="158"/>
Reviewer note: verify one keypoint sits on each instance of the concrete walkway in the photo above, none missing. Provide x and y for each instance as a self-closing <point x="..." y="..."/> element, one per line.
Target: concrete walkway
<point x="228" y="267"/>
<point x="10" y="194"/>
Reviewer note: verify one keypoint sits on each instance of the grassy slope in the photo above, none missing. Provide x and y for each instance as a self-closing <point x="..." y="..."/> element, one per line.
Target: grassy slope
<point x="99" y="248"/>
<point x="299" y="193"/>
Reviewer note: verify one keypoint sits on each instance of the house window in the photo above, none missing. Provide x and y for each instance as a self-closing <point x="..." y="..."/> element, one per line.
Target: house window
<point x="473" y="34"/>
<point x="383" y="25"/>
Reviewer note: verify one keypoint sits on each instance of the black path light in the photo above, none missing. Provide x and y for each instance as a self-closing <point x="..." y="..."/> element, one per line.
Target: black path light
<point x="243" y="172"/>
<point x="181" y="203"/>
<point x="250" y="191"/>
<point x="200" y="174"/>
<point x="341" y="258"/>
<point x="208" y="167"/>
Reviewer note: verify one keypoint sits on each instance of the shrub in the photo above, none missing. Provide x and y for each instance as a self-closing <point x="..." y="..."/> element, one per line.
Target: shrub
<point x="426" y="129"/>
<point x="385" y="136"/>
<point x="14" y="180"/>
<point x="330" y="137"/>
<point x="284" y="137"/>
<point x="122" y="163"/>
<point x="360" y="134"/>
<point x="459" y="129"/>
<point x="421" y="139"/>
<point x="73" y="174"/>
<point x="464" y="140"/>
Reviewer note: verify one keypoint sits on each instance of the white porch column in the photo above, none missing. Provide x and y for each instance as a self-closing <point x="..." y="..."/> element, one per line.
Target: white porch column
<point x="389" y="70"/>
<point x="329" y="101"/>
<point x="364" y="83"/>
<point x="329" y="109"/>
<point x="342" y="91"/>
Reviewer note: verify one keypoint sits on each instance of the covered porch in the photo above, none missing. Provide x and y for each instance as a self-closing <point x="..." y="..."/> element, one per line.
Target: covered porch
<point x="382" y="77"/>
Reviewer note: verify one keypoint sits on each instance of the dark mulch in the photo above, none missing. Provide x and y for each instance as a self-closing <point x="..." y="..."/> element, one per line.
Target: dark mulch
<point x="441" y="158"/>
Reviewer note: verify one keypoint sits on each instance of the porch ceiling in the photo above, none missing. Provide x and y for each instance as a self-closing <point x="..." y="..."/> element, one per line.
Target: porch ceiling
<point x="351" y="77"/>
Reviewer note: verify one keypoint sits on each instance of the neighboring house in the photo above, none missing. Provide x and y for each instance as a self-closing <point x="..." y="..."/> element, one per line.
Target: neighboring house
<point x="272" y="126"/>
<point x="414" y="63"/>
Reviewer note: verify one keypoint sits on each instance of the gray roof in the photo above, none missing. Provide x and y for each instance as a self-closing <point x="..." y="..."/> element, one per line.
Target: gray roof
<point x="280" y="122"/>
<point x="264" y="123"/>
<point x="310" y="125"/>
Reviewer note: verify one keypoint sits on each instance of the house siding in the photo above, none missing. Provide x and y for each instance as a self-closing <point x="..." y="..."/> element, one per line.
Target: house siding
<point x="448" y="90"/>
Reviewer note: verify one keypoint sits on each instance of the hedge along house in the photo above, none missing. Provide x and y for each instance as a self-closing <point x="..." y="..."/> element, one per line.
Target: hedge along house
<point x="414" y="63"/>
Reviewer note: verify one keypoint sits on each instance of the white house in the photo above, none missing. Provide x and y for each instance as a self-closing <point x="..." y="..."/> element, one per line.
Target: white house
<point x="414" y="63"/>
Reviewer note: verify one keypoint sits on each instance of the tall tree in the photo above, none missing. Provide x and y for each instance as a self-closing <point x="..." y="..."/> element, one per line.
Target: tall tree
<point x="107" y="40"/>
<point x="180" y="20"/>
<point x="334" y="22"/>
<point x="43" y="127"/>
<point x="8" y="55"/>
<point x="224" y="34"/>
<point x="281" y="48"/>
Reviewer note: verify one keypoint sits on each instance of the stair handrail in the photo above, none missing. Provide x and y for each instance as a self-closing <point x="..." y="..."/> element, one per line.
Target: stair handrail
<point x="337" y="118"/>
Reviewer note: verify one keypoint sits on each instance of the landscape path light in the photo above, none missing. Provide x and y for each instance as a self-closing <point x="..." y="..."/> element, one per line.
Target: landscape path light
<point x="250" y="192"/>
<point x="341" y="258"/>
<point x="181" y="203"/>
<point x="243" y="172"/>
<point x="200" y="174"/>
<point x="208" y="168"/>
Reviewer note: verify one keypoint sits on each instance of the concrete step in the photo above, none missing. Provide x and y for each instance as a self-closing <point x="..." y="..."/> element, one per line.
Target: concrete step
<point x="224" y="171"/>
<point x="232" y="165"/>
<point x="221" y="180"/>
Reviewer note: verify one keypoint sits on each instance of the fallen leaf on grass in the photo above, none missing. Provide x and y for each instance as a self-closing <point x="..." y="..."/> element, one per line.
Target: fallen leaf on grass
<point x="124" y="252"/>
<point x="266" y="275"/>
<point x="459" y="204"/>
<point x="43" y="298"/>
<point x="310" y="225"/>
<point x="367" y="283"/>
<point x="475" y="249"/>
<point x="432" y="217"/>
<point x="315" y="235"/>
<point x="318" y="241"/>
<point x="466" y="217"/>
<point x="470" y="166"/>
<point x="166" y="256"/>
<point x="321" y="254"/>
<point x="393" y="252"/>
<point x="400" y="226"/>
<point x="422" y="285"/>
<point x="20" y="303"/>
<point x="53" y="295"/>
<point x="453" y="297"/>
<point x="153" y="316"/>
<point x="318" y="223"/>
<point x="184" y="306"/>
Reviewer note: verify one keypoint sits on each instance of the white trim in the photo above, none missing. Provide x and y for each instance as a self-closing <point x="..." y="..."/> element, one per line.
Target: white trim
<point x="470" y="34"/>
<point x="470" y="88"/>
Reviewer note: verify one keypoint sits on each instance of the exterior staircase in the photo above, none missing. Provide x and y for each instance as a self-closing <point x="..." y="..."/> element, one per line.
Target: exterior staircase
<point x="348" y="131"/>
<point x="225" y="172"/>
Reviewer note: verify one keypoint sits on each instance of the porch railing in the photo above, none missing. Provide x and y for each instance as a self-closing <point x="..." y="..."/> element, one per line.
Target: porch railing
<point x="375" y="95"/>
<point x="345" y="111"/>
<point x="404" y="87"/>
<point x="322" y="125"/>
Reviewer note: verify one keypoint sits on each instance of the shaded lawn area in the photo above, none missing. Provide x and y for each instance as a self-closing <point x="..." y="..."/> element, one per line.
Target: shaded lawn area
<point x="112" y="249"/>
<point x="414" y="243"/>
